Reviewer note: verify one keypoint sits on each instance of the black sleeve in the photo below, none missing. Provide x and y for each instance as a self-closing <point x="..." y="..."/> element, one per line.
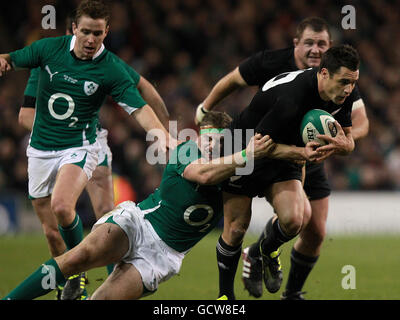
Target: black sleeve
<point x="264" y="65"/>
<point x="29" y="102"/>
<point x="250" y="69"/>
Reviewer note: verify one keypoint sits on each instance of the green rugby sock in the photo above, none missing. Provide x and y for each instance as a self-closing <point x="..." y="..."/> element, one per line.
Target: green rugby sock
<point x="110" y="268"/>
<point x="42" y="281"/>
<point x="72" y="234"/>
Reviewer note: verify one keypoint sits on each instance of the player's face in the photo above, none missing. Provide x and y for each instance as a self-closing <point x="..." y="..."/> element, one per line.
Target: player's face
<point x="90" y="34"/>
<point x="310" y="47"/>
<point x="338" y="87"/>
<point x="211" y="145"/>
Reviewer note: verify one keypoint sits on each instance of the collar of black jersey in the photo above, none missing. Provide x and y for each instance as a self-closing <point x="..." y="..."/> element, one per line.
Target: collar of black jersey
<point x="71" y="50"/>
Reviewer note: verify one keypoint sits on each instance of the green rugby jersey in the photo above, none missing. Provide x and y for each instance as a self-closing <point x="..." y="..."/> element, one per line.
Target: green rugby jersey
<point x="33" y="81"/>
<point x="71" y="91"/>
<point x="182" y="212"/>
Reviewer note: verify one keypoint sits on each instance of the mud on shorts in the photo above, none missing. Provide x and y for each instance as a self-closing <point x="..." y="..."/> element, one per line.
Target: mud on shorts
<point x="105" y="155"/>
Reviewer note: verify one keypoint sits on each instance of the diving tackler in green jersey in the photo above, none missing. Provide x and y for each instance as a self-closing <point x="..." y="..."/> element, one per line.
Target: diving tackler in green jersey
<point x="71" y="91"/>
<point x="183" y="217"/>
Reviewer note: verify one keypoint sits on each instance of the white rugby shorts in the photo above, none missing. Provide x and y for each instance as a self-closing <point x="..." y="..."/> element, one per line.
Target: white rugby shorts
<point x="105" y="155"/>
<point x="155" y="260"/>
<point x="44" y="165"/>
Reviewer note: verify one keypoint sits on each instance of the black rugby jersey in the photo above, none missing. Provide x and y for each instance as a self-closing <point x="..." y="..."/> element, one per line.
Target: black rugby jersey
<point x="263" y="65"/>
<point x="280" y="104"/>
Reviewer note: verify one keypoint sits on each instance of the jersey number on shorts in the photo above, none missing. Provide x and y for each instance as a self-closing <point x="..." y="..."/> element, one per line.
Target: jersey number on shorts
<point x="281" y="79"/>
<point x="190" y="210"/>
<point x="68" y="113"/>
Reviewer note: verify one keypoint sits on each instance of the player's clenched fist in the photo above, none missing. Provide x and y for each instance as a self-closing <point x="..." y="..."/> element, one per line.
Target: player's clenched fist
<point x="260" y="146"/>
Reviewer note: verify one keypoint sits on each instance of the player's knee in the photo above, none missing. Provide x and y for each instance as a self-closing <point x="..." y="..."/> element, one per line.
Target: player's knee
<point x="61" y="209"/>
<point x="292" y="223"/>
<point x="314" y="235"/>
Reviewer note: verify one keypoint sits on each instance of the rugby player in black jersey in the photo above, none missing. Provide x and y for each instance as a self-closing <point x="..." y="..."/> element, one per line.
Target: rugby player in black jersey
<point x="312" y="39"/>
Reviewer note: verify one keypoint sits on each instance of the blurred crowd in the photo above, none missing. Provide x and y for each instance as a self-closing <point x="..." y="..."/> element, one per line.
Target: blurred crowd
<point x="183" y="47"/>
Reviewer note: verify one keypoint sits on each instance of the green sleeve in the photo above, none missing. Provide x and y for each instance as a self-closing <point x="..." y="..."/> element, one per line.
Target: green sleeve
<point x="30" y="56"/>
<point x="183" y="155"/>
<point x="122" y="89"/>
<point x="134" y="75"/>
<point x="32" y="84"/>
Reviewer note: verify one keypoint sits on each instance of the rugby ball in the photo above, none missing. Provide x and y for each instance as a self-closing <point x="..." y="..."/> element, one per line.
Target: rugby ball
<point x="316" y="122"/>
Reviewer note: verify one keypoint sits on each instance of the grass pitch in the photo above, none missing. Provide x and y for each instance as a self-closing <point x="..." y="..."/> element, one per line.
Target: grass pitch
<point x="375" y="259"/>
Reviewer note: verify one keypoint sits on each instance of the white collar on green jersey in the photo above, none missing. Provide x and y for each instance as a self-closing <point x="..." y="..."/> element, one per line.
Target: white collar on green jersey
<point x="72" y="44"/>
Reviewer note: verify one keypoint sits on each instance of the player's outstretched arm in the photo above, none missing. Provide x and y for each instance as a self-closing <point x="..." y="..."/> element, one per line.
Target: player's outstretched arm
<point x="294" y="153"/>
<point x="5" y="63"/>
<point x="152" y="97"/>
<point x="26" y="117"/>
<point x="149" y="121"/>
<point x="217" y="170"/>
<point x="223" y="88"/>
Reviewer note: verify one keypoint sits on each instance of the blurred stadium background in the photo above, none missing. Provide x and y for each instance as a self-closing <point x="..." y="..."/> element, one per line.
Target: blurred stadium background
<point x="183" y="47"/>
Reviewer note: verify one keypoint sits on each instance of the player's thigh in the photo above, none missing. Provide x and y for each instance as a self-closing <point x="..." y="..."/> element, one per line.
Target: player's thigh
<point x="70" y="182"/>
<point x="107" y="243"/>
<point x="101" y="191"/>
<point x="124" y="283"/>
<point x="76" y="166"/>
<point x="287" y="198"/>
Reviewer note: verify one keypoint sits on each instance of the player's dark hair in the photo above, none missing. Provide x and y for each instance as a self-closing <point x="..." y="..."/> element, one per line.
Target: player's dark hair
<point x="216" y="119"/>
<point x="340" y="56"/>
<point x="68" y="22"/>
<point x="315" y="23"/>
<point x="95" y="9"/>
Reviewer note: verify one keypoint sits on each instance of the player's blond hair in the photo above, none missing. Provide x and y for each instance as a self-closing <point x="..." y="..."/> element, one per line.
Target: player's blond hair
<point x="216" y="119"/>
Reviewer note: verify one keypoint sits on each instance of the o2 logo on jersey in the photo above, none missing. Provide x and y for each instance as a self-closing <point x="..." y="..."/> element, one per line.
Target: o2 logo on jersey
<point x="198" y="210"/>
<point x="89" y="87"/>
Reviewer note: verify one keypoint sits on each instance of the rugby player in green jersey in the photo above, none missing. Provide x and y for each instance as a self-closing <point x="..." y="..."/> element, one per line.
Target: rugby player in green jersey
<point x="76" y="74"/>
<point x="100" y="186"/>
<point x="148" y="241"/>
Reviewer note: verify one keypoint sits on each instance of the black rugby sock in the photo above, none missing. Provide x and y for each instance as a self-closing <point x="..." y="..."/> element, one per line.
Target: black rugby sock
<point x="270" y="240"/>
<point x="227" y="259"/>
<point x="300" y="268"/>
